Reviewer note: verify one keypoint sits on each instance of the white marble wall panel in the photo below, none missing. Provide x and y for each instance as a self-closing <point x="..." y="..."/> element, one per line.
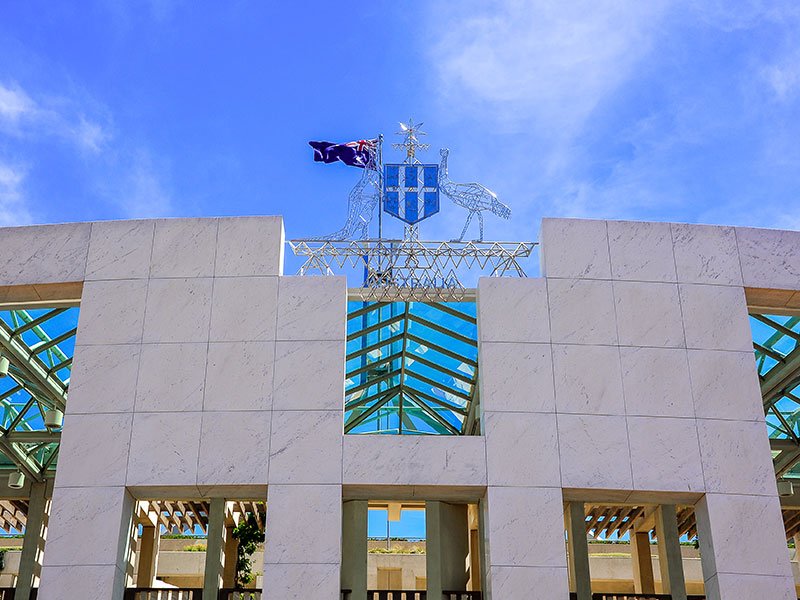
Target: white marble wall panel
<point x="164" y="449"/>
<point x="312" y="308"/>
<point x="414" y="460"/>
<point x="573" y="248"/>
<point x="533" y="442"/>
<point x="751" y="587"/>
<point x="178" y="310"/>
<point x="120" y="250"/>
<point x="531" y="583"/>
<point x="44" y="253"/>
<point x="301" y="581"/>
<point x="706" y="254"/>
<point x="244" y="309"/>
<point x="239" y="376"/>
<point x="665" y="454"/>
<point x="641" y="251"/>
<point x="309" y="376"/>
<point x="770" y="259"/>
<point x="656" y="382"/>
<point x="94" y="450"/>
<point x="249" y="246"/>
<point x="171" y="377"/>
<point x="306" y="447"/>
<point x="725" y="385"/>
<point x="512" y="310"/>
<point x="112" y="312"/>
<point x="594" y="452"/>
<point x="582" y="311"/>
<point x="516" y="377"/>
<point x="648" y="314"/>
<point x="184" y="248"/>
<point x="588" y="380"/>
<point x="715" y="317"/>
<point x="233" y="448"/>
<point x="89" y="581"/>
<point x="104" y="379"/>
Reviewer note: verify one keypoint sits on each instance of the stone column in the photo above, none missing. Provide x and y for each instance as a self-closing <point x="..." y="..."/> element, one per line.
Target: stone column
<point x="354" y="548"/>
<point x="447" y="547"/>
<point x="231" y="557"/>
<point x="643" y="580"/>
<point x="580" y="578"/>
<point x="670" y="560"/>
<point x="30" y="562"/>
<point x="212" y="581"/>
<point x="149" y="543"/>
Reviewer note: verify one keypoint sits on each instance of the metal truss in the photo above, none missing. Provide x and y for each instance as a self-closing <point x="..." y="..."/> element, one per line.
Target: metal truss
<point x="411" y="269"/>
<point x="39" y="345"/>
<point x="411" y="368"/>
<point x="777" y="350"/>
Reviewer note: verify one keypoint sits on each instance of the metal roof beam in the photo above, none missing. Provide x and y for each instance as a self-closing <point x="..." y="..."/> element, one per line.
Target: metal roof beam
<point x="24" y="359"/>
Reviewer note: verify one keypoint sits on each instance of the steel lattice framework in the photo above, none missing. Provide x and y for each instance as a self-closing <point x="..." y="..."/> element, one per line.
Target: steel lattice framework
<point x="411" y="269"/>
<point x="39" y="345"/>
<point x="412" y="368"/>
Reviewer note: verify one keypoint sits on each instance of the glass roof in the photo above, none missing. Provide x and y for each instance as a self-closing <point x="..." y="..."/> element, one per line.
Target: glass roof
<point x="411" y="368"/>
<point x="39" y="344"/>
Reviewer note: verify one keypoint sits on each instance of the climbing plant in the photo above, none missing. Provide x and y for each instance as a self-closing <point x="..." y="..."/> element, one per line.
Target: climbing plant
<point x="249" y="536"/>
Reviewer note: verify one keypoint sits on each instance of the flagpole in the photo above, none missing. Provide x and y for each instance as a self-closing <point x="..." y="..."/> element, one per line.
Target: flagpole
<point x="380" y="179"/>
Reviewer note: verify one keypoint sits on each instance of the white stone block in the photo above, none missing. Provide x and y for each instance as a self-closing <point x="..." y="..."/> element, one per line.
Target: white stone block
<point x="171" y="377"/>
<point x="530" y="583"/>
<point x="641" y="251"/>
<point x="706" y="254"/>
<point x="250" y="246"/>
<point x="309" y="376"/>
<point x="582" y="312"/>
<point x="594" y="452"/>
<point x="306" y="447"/>
<point x="648" y="314"/>
<point x="312" y="308"/>
<point x="112" y="312"/>
<point x="120" y="250"/>
<point x="513" y="310"/>
<point x="239" y="376"/>
<point x="414" y="460"/>
<point x="244" y="309"/>
<point x="87" y="526"/>
<point x="233" y="448"/>
<point x="532" y="441"/>
<point x="103" y="379"/>
<point x="44" y="253"/>
<point x="725" y="385"/>
<point x="516" y="512"/>
<point x="742" y="534"/>
<point x="770" y="258"/>
<point x="184" y="248"/>
<point x="588" y="380"/>
<point x="753" y="587"/>
<point x="305" y="524"/>
<point x="301" y="582"/>
<point x="516" y="377"/>
<point x="178" y="310"/>
<point x="94" y="450"/>
<point x="87" y="582"/>
<point x="715" y="318"/>
<point x="665" y="454"/>
<point x="575" y="248"/>
<point x="656" y="382"/>
<point x="736" y="457"/>
<point x="164" y="449"/>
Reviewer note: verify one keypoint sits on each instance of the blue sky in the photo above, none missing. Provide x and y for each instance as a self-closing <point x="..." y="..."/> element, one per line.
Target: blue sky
<point x="667" y="110"/>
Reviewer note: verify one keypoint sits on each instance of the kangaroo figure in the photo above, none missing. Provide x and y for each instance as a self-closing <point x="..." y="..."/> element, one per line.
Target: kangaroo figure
<point x="472" y="196"/>
<point x="361" y="203"/>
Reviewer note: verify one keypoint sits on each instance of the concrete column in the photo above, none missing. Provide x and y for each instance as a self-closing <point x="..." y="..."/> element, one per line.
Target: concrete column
<point x="447" y="543"/>
<point x="796" y="538"/>
<point x="354" y="548"/>
<point x="231" y="556"/>
<point x="148" y="555"/>
<point x="580" y="578"/>
<point x="643" y="580"/>
<point x="212" y="581"/>
<point x="670" y="560"/>
<point x="30" y="562"/>
<point x="475" y="576"/>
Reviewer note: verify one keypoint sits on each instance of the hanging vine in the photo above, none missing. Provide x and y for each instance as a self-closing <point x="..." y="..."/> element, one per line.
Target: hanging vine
<point x="249" y="536"/>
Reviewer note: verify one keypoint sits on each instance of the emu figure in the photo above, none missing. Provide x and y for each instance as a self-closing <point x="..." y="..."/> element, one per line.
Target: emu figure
<point x="361" y="203"/>
<point x="472" y="196"/>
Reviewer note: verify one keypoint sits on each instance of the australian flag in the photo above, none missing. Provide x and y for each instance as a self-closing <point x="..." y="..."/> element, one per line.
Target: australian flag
<point x="356" y="154"/>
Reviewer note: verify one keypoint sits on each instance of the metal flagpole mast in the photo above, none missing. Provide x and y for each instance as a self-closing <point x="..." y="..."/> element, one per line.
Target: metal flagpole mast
<point x="380" y="180"/>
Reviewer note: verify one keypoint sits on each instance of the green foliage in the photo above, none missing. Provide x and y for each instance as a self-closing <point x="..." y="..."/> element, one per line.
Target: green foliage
<point x="249" y="536"/>
<point x="195" y="548"/>
<point x="397" y="550"/>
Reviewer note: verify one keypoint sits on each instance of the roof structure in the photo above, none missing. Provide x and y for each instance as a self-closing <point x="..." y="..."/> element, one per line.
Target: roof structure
<point x="412" y="368"/>
<point x="776" y="340"/>
<point x="39" y="345"/>
<point x="616" y="521"/>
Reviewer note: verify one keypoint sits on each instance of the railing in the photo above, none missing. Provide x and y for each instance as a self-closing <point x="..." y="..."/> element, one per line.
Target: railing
<point x="396" y="595"/>
<point x="631" y="596"/>
<point x="8" y="594"/>
<point x="346" y="594"/>
<point x="141" y="593"/>
<point x="234" y="594"/>
<point x="461" y="596"/>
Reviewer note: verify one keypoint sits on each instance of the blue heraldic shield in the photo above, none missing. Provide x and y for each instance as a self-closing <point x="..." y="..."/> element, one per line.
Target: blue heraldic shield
<point x="411" y="192"/>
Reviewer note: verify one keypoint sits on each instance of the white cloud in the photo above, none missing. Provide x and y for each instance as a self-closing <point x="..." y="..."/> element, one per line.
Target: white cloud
<point x="14" y="208"/>
<point x="15" y="104"/>
<point x="140" y="191"/>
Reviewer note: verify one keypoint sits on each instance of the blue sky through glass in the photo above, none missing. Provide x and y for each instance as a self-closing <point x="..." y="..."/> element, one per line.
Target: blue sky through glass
<point x="411" y="524"/>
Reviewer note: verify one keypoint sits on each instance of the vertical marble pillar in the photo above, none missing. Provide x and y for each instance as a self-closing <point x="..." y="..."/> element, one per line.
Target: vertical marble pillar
<point x="212" y="581"/>
<point x="670" y="560"/>
<point x="447" y="547"/>
<point x="354" y="548"/>
<point x="580" y="578"/>
<point x="30" y="563"/>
